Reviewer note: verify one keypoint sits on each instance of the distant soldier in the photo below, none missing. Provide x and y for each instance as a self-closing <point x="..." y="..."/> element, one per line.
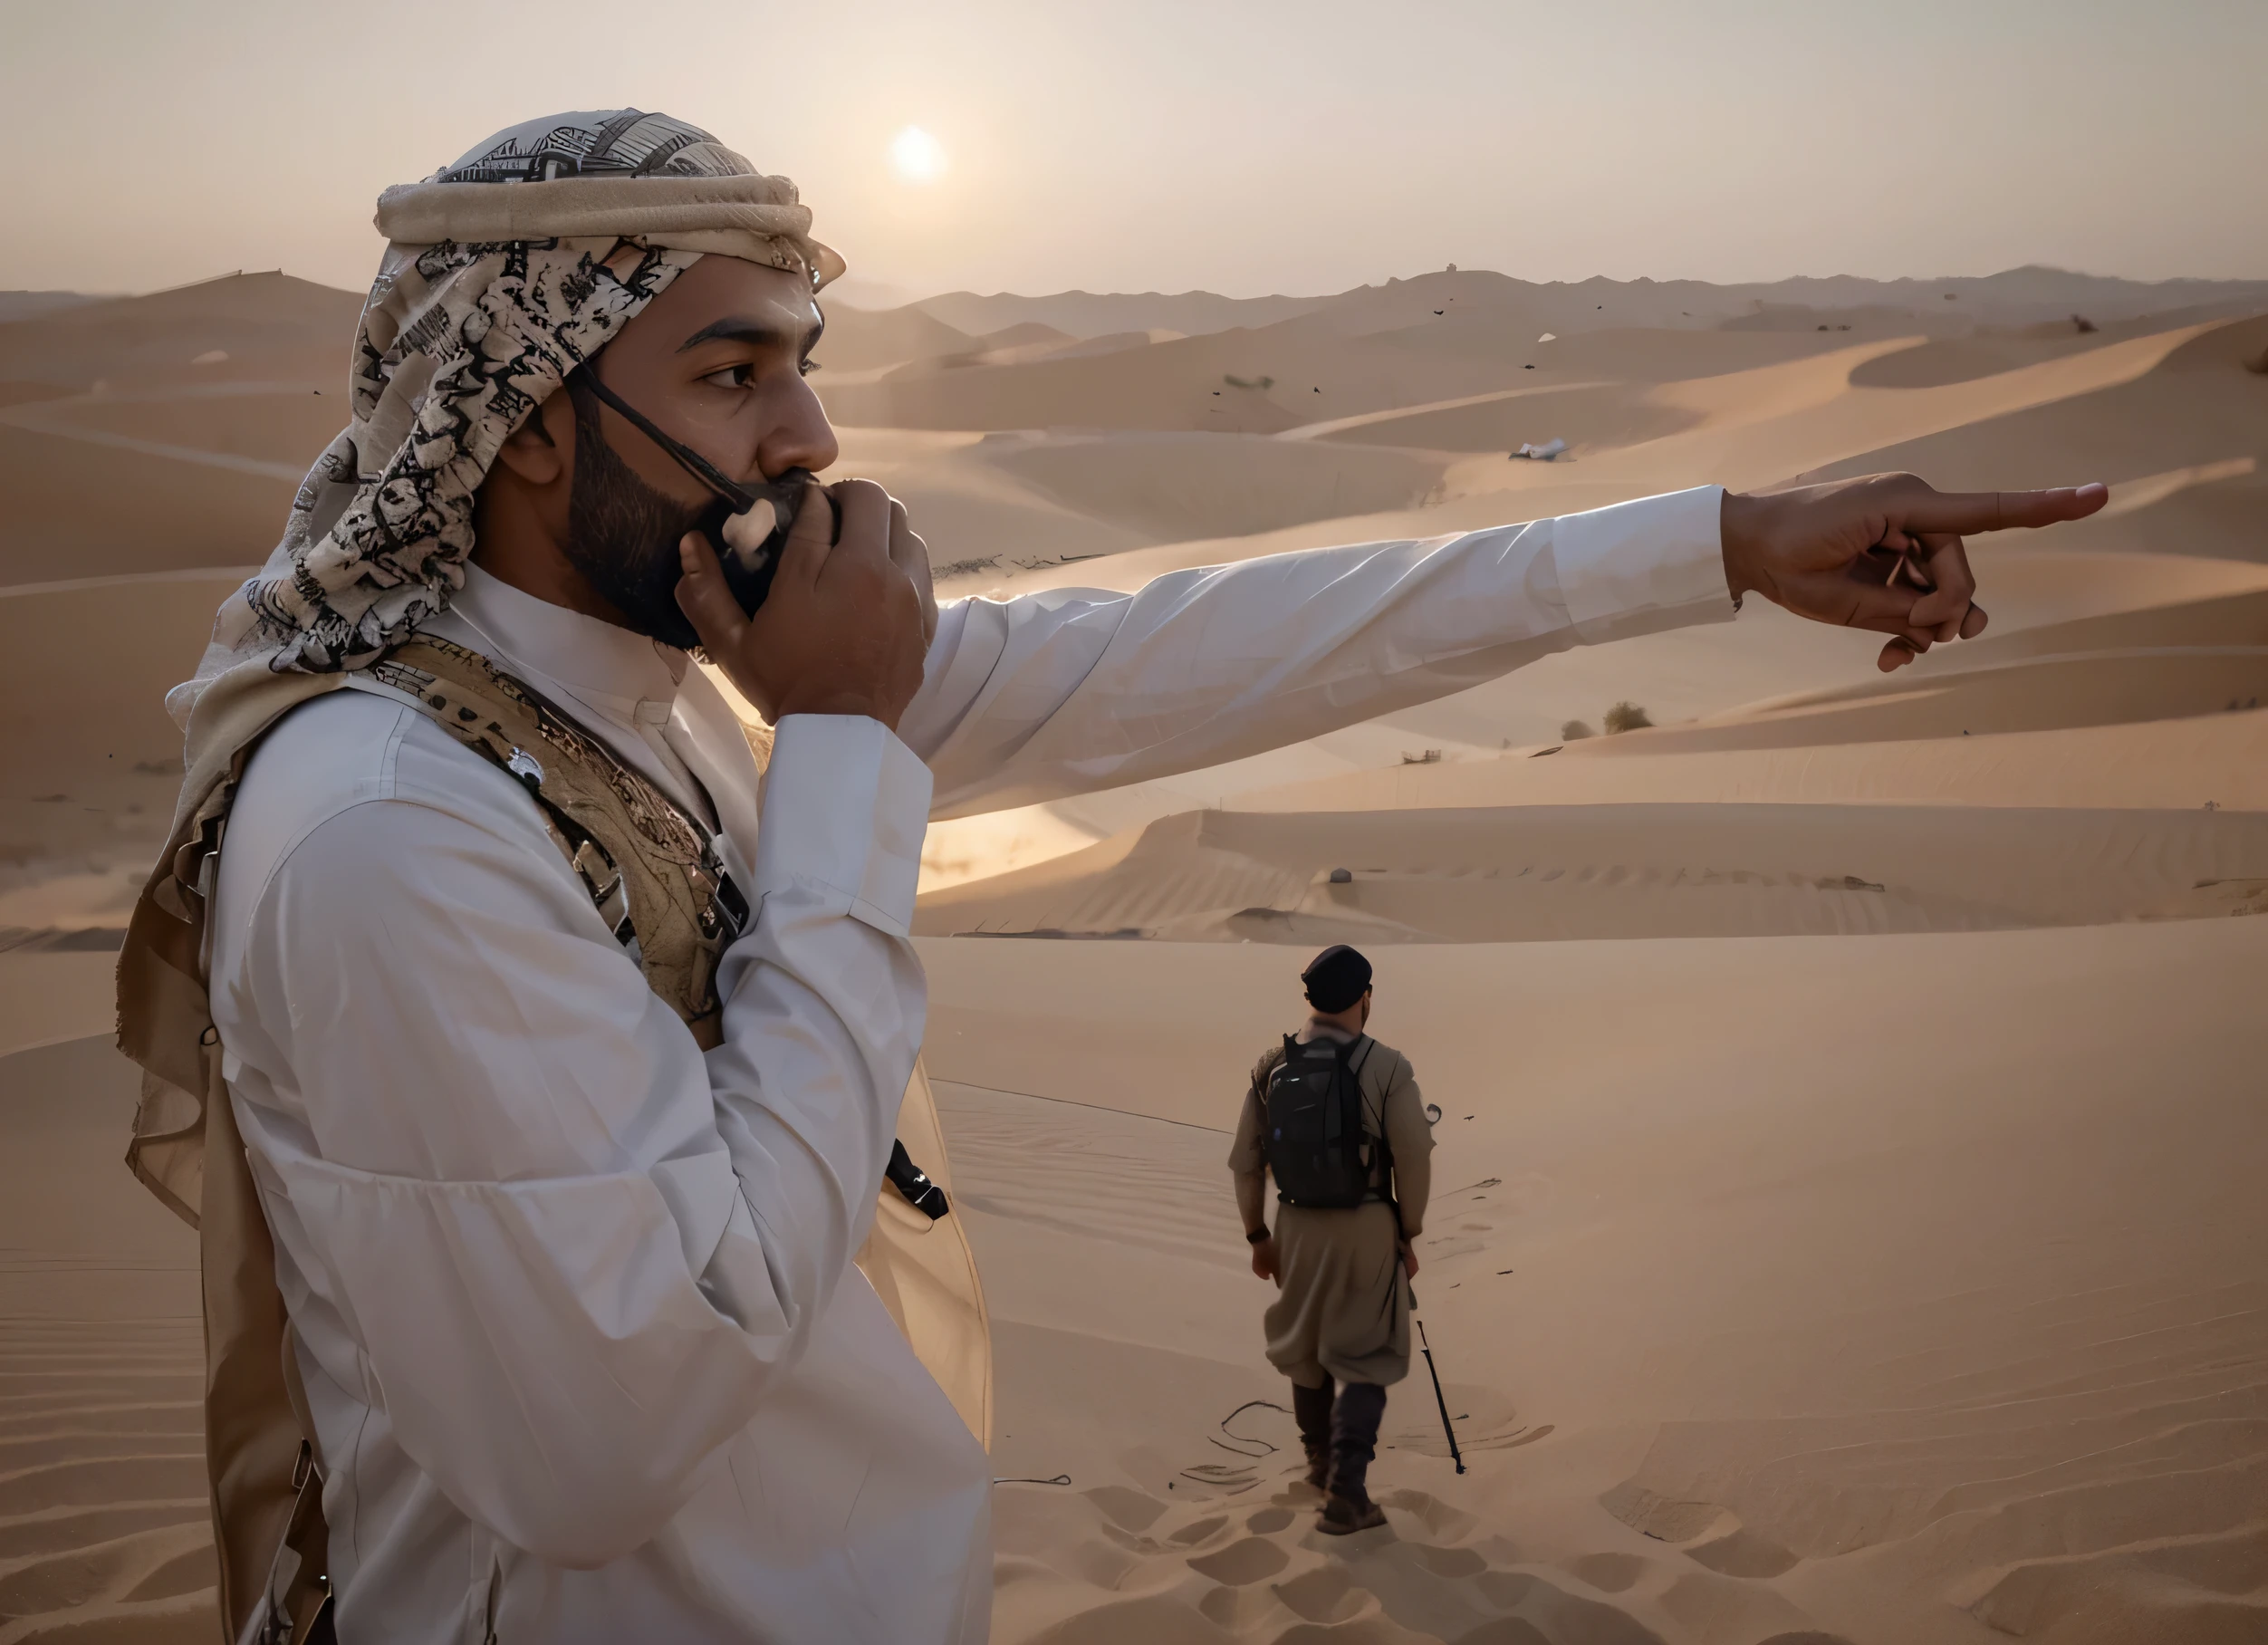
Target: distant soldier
<point x="1336" y="1118"/>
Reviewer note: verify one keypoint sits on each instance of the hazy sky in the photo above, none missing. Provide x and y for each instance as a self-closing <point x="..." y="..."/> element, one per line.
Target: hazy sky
<point x="1246" y="145"/>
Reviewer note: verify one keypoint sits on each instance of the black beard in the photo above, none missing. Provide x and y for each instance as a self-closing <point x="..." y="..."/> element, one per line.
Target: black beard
<point x="622" y="536"/>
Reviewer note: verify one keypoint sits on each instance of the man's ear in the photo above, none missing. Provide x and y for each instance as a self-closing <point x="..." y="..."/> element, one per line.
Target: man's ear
<point x="541" y="449"/>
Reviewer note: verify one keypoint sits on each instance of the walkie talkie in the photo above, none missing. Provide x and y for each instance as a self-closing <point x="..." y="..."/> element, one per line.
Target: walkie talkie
<point x="748" y="571"/>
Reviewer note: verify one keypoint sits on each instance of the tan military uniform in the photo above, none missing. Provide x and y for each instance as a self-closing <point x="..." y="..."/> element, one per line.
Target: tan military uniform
<point x="1342" y="1307"/>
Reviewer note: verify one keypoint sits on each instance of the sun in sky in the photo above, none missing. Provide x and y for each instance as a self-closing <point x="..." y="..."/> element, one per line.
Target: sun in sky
<point x="915" y="156"/>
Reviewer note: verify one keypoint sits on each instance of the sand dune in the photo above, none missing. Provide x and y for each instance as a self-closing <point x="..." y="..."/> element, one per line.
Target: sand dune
<point x="858" y="340"/>
<point x="1215" y="480"/>
<point x="2181" y="764"/>
<point x="1552" y="873"/>
<point x="1849" y="1220"/>
<point x="2197" y="410"/>
<point x="1002" y="504"/>
<point x="275" y="429"/>
<point x="265" y="326"/>
<point x="170" y="431"/>
<point x="1586" y="415"/>
<point x="2013" y="298"/>
<point x="1182" y="385"/>
<point x="978" y="519"/>
<point x="81" y="508"/>
<point x="1964" y="359"/>
<point x="1097" y="313"/>
<point x="2144" y="683"/>
<point x="23" y="305"/>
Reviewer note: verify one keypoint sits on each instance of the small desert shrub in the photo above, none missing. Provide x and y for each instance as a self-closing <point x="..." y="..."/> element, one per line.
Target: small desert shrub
<point x="1574" y="731"/>
<point x="1626" y="716"/>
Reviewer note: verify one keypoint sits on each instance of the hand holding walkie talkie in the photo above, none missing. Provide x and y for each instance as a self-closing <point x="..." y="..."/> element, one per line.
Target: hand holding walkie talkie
<point x="843" y="628"/>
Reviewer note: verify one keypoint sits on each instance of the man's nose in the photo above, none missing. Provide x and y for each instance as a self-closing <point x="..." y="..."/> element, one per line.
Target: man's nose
<point x="800" y="435"/>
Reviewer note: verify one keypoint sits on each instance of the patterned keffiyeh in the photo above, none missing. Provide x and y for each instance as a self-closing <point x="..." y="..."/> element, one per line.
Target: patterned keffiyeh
<point x="504" y="272"/>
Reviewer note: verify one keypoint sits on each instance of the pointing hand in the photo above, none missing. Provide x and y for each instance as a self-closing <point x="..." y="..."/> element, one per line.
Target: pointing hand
<point x="1882" y="553"/>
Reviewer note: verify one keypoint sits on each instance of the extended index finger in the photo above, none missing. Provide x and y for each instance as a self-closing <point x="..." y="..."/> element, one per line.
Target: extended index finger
<point x="1968" y="513"/>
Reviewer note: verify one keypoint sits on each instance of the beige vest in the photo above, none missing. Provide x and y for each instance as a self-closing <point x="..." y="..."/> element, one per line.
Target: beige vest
<point x="653" y="874"/>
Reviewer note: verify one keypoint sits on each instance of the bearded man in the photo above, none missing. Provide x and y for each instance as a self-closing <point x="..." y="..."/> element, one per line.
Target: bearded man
<point x="532" y="1070"/>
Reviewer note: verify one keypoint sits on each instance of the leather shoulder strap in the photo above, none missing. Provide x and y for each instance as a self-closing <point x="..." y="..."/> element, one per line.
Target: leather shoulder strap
<point x="653" y="870"/>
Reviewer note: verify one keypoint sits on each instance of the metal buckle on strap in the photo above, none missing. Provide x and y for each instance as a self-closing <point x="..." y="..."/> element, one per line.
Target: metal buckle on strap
<point x="724" y="910"/>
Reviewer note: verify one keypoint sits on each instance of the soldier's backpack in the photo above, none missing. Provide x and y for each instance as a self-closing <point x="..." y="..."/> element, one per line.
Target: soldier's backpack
<point x="1317" y="1148"/>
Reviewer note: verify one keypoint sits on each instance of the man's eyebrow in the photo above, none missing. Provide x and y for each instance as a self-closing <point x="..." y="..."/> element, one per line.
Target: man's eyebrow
<point x="743" y="328"/>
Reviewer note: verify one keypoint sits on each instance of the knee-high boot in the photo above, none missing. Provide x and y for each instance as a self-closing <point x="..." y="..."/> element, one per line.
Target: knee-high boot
<point x="1354" y="1437"/>
<point x="1310" y="1408"/>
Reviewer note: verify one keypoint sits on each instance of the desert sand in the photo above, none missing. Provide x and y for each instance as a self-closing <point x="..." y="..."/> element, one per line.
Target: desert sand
<point x="1755" y="1327"/>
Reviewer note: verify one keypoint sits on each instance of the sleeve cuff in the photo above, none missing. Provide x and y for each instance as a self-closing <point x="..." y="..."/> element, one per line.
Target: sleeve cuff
<point x="1655" y="557"/>
<point x="845" y="807"/>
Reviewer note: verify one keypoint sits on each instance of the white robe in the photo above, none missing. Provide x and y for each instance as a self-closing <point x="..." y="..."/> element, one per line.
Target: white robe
<point x="575" y="1303"/>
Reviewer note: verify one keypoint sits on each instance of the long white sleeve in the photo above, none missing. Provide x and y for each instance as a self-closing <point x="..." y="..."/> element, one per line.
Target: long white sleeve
<point x="1071" y="690"/>
<point x="571" y="1254"/>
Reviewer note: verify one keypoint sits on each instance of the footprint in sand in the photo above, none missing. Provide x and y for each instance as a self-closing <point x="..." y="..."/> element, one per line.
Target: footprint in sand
<point x="1742" y="1552"/>
<point x="1189" y="1535"/>
<point x="1664" y="1518"/>
<point x="1127" y="1509"/>
<point x="1551" y="1613"/>
<point x="1439" y="1519"/>
<point x="1260" y="1574"/>
<point x="1451" y="1563"/>
<point x="1253" y="1560"/>
<point x="1505" y="1631"/>
<point x="1505" y="1590"/>
<point x="1720" y="1607"/>
<point x="1609" y="1573"/>
<point x="1326" y="1595"/>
